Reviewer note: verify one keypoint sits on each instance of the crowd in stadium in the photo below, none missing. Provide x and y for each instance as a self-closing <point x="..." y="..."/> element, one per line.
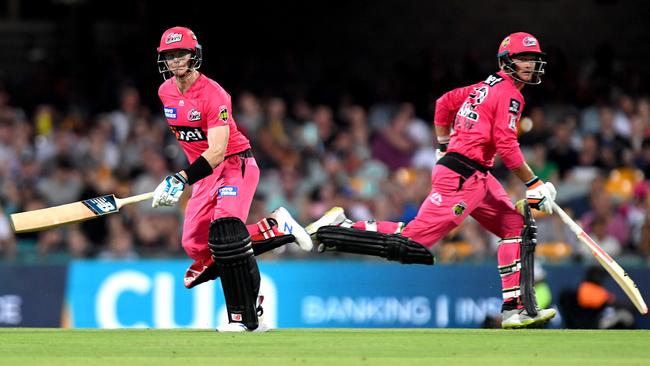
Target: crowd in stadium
<point x="374" y="159"/>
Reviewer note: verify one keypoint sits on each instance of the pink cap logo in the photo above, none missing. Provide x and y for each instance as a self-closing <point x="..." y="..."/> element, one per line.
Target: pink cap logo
<point x="529" y="42"/>
<point x="173" y="38"/>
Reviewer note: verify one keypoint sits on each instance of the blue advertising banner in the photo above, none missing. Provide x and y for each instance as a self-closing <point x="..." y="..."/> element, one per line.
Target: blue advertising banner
<point x="299" y="294"/>
<point x="31" y="296"/>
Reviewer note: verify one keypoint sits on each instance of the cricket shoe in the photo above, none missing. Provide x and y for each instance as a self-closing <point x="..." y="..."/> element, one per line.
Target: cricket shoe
<point x="519" y="318"/>
<point x="240" y="328"/>
<point x="287" y="225"/>
<point x="262" y="327"/>
<point x="335" y="216"/>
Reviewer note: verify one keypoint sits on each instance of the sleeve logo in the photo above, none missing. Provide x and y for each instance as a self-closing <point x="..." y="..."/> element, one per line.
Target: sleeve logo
<point x="514" y="106"/>
<point x="223" y="113"/>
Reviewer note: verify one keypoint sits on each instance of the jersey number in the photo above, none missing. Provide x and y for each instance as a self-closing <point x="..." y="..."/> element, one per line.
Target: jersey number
<point x="467" y="110"/>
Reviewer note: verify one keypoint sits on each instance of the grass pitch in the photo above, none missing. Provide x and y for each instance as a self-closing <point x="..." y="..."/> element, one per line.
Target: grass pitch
<point x="339" y="347"/>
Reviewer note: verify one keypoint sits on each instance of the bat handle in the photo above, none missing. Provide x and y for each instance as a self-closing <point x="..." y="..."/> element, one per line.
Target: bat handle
<point x="133" y="199"/>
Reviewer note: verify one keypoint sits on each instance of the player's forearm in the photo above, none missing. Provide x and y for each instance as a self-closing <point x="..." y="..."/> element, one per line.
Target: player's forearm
<point x="524" y="173"/>
<point x="214" y="156"/>
<point x="442" y="134"/>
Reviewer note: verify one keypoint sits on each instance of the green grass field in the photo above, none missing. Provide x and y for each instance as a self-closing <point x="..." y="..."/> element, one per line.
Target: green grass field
<point x="338" y="347"/>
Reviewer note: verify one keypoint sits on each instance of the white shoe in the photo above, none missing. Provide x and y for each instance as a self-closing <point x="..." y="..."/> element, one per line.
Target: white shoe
<point x="239" y="328"/>
<point x="519" y="318"/>
<point x="232" y="328"/>
<point x="287" y="225"/>
<point x="334" y="216"/>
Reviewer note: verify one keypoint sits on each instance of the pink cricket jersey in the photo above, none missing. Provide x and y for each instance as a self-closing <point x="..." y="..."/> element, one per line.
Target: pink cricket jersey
<point x="485" y="117"/>
<point x="205" y="105"/>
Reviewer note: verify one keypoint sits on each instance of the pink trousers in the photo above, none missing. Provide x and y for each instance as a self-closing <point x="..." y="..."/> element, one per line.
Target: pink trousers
<point x="228" y="192"/>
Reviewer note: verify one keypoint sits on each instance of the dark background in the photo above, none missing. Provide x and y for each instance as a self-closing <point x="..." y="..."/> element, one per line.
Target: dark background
<point x="76" y="51"/>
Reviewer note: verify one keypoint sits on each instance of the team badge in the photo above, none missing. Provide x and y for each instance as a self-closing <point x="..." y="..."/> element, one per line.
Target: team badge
<point x="529" y="42"/>
<point x="223" y="113"/>
<point x="173" y="38"/>
<point x="193" y="115"/>
<point x="459" y="208"/>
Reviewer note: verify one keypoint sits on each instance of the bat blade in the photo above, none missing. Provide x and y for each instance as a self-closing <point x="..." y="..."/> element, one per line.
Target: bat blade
<point x="51" y="217"/>
<point x="614" y="269"/>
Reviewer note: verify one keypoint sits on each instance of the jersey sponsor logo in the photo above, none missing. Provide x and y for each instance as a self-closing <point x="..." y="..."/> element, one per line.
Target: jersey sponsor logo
<point x="436" y="198"/>
<point x="514" y="106"/>
<point x="492" y="80"/>
<point x="187" y="133"/>
<point x="193" y="115"/>
<point x="529" y="42"/>
<point x="223" y="113"/>
<point x="228" y="191"/>
<point x="459" y="208"/>
<point x="102" y="205"/>
<point x="170" y="113"/>
<point x="181" y="103"/>
<point x="173" y="38"/>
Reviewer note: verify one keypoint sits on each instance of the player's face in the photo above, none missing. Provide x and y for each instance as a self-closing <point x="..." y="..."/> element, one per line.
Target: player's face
<point x="178" y="61"/>
<point x="525" y="65"/>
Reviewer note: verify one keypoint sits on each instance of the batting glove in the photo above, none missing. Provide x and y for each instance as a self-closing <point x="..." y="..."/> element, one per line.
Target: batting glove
<point x="541" y="196"/>
<point x="169" y="191"/>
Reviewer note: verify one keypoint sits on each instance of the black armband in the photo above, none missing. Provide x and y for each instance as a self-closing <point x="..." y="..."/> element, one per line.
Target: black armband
<point x="198" y="170"/>
<point x="532" y="182"/>
<point x="443" y="147"/>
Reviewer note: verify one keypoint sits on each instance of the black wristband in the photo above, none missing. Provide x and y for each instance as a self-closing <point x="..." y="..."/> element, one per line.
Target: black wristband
<point x="443" y="147"/>
<point x="198" y="170"/>
<point x="532" y="181"/>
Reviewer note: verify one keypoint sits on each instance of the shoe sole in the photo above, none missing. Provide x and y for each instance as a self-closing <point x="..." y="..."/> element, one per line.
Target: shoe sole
<point x="329" y="216"/>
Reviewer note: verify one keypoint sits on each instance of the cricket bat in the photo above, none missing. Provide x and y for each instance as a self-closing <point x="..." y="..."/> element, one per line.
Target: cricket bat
<point x="614" y="269"/>
<point x="51" y="217"/>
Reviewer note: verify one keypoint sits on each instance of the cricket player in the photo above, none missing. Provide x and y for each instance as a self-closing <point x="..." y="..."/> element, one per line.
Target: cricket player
<point x="473" y="124"/>
<point x="224" y="176"/>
